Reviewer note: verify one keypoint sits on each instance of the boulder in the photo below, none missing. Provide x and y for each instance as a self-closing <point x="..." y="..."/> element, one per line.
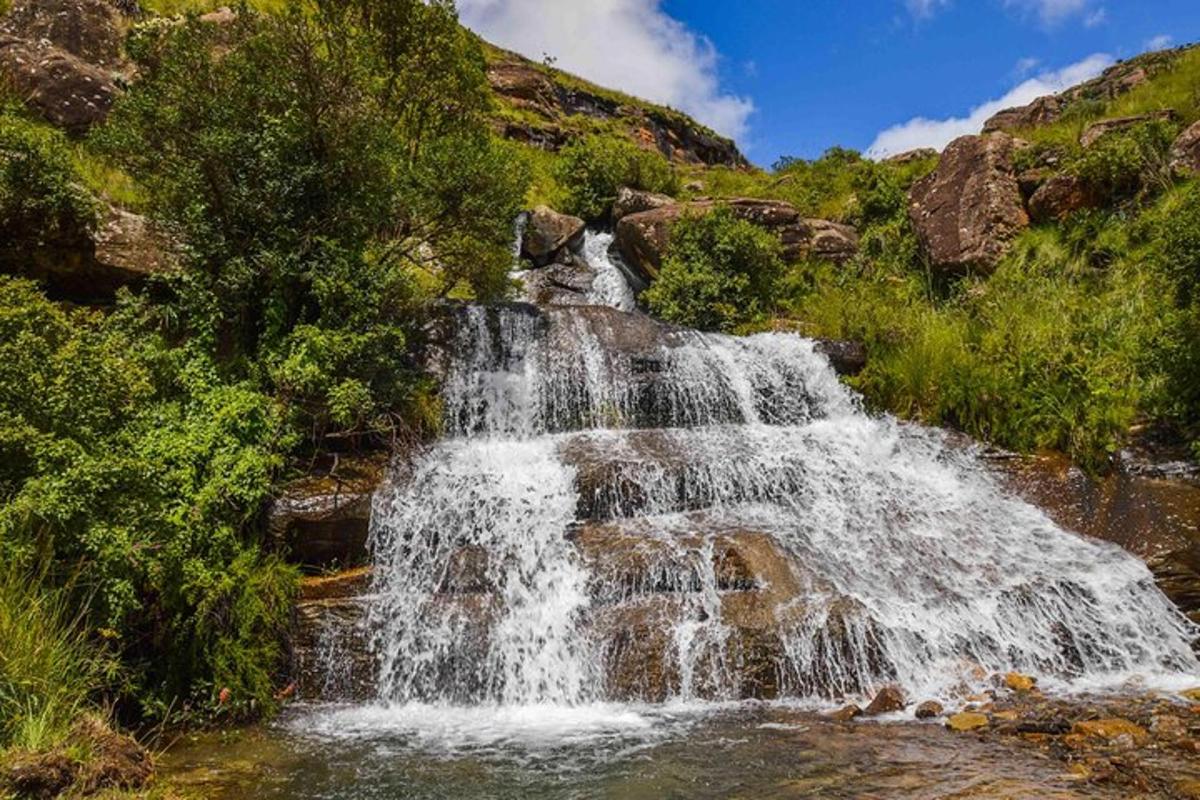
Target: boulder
<point x="1059" y="197"/>
<point x="642" y="238"/>
<point x="1185" y="153"/>
<point x="909" y="156"/>
<point x="846" y="357"/>
<point x="1042" y="111"/>
<point x="90" y="266"/>
<point x="91" y="30"/>
<point x="969" y="209"/>
<point x="887" y="700"/>
<point x="1098" y="130"/>
<point x="930" y="709"/>
<point x="633" y="201"/>
<point x="322" y="520"/>
<point x="550" y="237"/>
<point x="1017" y="682"/>
<point x="62" y="88"/>
<point x="846" y="713"/>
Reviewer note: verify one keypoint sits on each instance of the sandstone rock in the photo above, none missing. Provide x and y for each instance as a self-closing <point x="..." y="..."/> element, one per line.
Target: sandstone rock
<point x="1192" y="694"/>
<point x="1059" y="197"/>
<point x="322" y="520"/>
<point x="1042" y="111"/>
<point x="642" y="238"/>
<point x="1185" y="153"/>
<point x="886" y="700"/>
<point x="909" y="156"/>
<point x="965" y="721"/>
<point x="1017" y="682"/>
<point x="91" y="30"/>
<point x="1112" y="731"/>
<point x="633" y="201"/>
<point x="63" y="88"/>
<point x="335" y="586"/>
<point x="929" y="710"/>
<point x="550" y="237"/>
<point x="1098" y="130"/>
<point x="846" y="713"/>
<point x="968" y="210"/>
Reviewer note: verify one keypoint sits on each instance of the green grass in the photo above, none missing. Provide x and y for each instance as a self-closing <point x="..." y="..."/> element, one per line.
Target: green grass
<point x="105" y="180"/>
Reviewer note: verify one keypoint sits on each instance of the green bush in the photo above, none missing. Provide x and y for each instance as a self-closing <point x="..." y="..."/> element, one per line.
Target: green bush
<point x="1120" y="165"/>
<point x="719" y="272"/>
<point x="593" y="168"/>
<point x="40" y="202"/>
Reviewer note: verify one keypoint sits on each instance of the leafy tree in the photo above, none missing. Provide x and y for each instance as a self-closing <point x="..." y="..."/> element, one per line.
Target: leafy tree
<point x="593" y="168"/>
<point x="719" y="272"/>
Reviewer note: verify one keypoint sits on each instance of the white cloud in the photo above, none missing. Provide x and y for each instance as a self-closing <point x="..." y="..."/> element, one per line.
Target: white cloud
<point x="630" y="45"/>
<point x="1160" y="42"/>
<point x="1051" y="12"/>
<point x="925" y="8"/>
<point x="1096" y="18"/>
<point x="1025" y="66"/>
<point x="937" y="133"/>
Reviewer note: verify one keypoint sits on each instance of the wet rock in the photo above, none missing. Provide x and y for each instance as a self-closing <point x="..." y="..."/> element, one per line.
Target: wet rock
<point x="1112" y="731"/>
<point x="969" y="209"/>
<point x="331" y="657"/>
<point x="335" y="586"/>
<point x="1042" y="111"/>
<point x="551" y="237"/>
<point x="322" y="520"/>
<point x="1098" y="130"/>
<point x="1017" y="682"/>
<point x="1169" y="727"/>
<point x="466" y="572"/>
<point x="965" y="721"/>
<point x="91" y="30"/>
<point x="634" y="201"/>
<point x="1185" y="152"/>
<point x="930" y="709"/>
<point x="846" y="714"/>
<point x="886" y="700"/>
<point x="1191" y="694"/>
<point x="642" y="238"/>
<point x="62" y="88"/>
<point x="846" y="357"/>
<point x="1059" y="197"/>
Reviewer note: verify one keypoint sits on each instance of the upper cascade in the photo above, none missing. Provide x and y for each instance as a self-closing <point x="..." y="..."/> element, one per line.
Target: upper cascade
<point x="626" y="511"/>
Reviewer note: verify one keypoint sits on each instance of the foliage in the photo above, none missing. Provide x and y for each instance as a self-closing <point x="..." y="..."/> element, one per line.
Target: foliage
<point x="318" y="162"/>
<point x="719" y="272"/>
<point x="131" y="466"/>
<point x="49" y="671"/>
<point x="39" y="199"/>
<point x="1122" y="164"/>
<point x="593" y="168"/>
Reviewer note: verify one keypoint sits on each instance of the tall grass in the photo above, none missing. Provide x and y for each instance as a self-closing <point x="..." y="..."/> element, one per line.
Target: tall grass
<point x="49" y="670"/>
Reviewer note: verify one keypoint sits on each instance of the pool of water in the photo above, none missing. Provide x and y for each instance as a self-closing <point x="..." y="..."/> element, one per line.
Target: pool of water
<point x="742" y="751"/>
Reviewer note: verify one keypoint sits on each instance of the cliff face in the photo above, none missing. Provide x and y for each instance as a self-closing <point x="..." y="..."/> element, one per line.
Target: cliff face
<point x="546" y="108"/>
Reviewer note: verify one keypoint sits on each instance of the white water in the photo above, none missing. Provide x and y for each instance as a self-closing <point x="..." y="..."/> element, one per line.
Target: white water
<point x="505" y="588"/>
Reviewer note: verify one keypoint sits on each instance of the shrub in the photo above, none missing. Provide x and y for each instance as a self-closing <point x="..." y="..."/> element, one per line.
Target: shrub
<point x="594" y="167"/>
<point x="1123" y="164"/>
<point x="719" y="272"/>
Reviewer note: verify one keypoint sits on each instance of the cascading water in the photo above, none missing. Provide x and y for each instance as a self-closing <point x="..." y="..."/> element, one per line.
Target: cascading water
<point x="625" y="511"/>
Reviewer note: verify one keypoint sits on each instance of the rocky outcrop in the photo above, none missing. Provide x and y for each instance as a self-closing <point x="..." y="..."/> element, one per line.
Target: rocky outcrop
<point x="1185" y="152"/>
<point x="634" y="201"/>
<point x="90" y="266"/>
<point x="642" y="238"/>
<point x="552" y="104"/>
<point x="1059" y="197"/>
<point x="63" y="88"/>
<point x="1098" y="130"/>
<point x="322" y="520"/>
<point x="909" y="156"/>
<point x="91" y="30"/>
<point x="1042" y="111"/>
<point x="968" y="210"/>
<point x="551" y="237"/>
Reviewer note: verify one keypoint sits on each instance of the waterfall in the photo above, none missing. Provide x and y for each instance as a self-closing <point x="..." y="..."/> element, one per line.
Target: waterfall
<point x="625" y="511"/>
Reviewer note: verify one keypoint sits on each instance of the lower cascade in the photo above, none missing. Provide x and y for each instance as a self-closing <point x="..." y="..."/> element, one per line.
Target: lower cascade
<point x="626" y="512"/>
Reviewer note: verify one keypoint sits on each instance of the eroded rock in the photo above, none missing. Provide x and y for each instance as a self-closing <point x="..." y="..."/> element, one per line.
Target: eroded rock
<point x="886" y="700"/>
<point x="965" y="721"/>
<point x="1098" y="130"/>
<point x="551" y="237"/>
<point x="930" y="709"/>
<point x="1185" y="152"/>
<point x="1059" y="197"/>
<point x="63" y="88"/>
<point x="1042" y="111"/>
<point x="634" y="201"/>
<point x="970" y="208"/>
<point x="91" y="30"/>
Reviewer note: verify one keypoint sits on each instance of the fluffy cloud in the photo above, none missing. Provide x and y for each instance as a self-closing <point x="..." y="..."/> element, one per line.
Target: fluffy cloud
<point x="937" y="133"/>
<point x="1160" y="42"/>
<point x="630" y="45"/>
<point x="1052" y="12"/>
<point x="925" y="8"/>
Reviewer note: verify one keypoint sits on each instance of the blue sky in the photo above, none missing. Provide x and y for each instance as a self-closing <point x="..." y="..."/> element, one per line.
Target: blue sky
<point x="793" y="77"/>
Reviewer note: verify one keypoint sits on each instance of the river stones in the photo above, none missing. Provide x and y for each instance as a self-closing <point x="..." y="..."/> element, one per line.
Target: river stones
<point x="929" y="710"/>
<point x="965" y="721"/>
<point x="886" y="700"/>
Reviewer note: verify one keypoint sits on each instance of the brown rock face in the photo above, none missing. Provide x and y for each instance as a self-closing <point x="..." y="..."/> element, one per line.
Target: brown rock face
<point x="1185" y="153"/>
<point x="91" y="30"/>
<point x="968" y="210"/>
<point x="1059" y="197"/>
<point x="1042" y="111"/>
<point x="642" y="238"/>
<point x="551" y="237"/>
<point x="1098" y="130"/>
<point x="633" y="201"/>
<point x="64" y="89"/>
<point x="909" y="156"/>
